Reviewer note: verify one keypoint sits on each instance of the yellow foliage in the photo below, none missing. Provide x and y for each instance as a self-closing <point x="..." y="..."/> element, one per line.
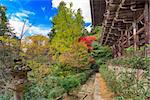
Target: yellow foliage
<point x="39" y="70"/>
<point x="77" y="56"/>
<point x="36" y="45"/>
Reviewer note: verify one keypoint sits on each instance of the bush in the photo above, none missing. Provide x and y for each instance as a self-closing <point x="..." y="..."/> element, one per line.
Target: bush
<point x="101" y="54"/>
<point x="125" y="85"/>
<point x="139" y="62"/>
<point x="135" y="62"/>
<point x="55" y="92"/>
<point x="69" y="83"/>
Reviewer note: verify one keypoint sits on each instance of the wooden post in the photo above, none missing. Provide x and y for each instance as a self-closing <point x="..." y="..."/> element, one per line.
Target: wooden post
<point x="128" y="39"/>
<point x="149" y="22"/>
<point x="134" y="35"/>
<point x="146" y="19"/>
<point x="147" y="25"/>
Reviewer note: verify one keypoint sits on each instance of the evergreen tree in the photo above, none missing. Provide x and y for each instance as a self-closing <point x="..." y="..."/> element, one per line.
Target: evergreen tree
<point x="3" y="20"/>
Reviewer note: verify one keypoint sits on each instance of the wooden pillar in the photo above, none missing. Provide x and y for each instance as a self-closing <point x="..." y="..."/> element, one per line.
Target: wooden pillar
<point x="148" y="22"/>
<point x="146" y="19"/>
<point x="128" y="33"/>
<point x="113" y="51"/>
<point x="119" y="48"/>
<point x="134" y="35"/>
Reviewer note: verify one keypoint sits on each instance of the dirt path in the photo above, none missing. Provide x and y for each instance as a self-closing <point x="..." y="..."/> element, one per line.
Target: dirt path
<point x="94" y="89"/>
<point x="104" y="92"/>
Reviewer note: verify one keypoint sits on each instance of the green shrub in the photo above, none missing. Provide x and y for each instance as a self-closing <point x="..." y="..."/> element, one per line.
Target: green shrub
<point x="69" y="83"/>
<point x="82" y="77"/>
<point x="101" y="54"/>
<point x="135" y="62"/>
<point x="126" y="85"/>
<point x="55" y="92"/>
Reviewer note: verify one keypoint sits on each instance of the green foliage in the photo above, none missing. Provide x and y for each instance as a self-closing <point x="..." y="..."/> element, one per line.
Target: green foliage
<point x="96" y="30"/>
<point x="73" y="81"/>
<point x="69" y="83"/>
<point x="139" y="62"/>
<point x="125" y="85"/>
<point x="3" y="25"/>
<point x="110" y="78"/>
<point x="101" y="53"/>
<point x="48" y="88"/>
<point x="130" y="50"/>
<point x="136" y="62"/>
<point x="77" y="56"/>
<point x="67" y="27"/>
<point x="36" y="48"/>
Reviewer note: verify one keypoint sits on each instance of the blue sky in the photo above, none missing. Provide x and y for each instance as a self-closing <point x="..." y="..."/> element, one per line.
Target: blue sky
<point x="37" y="14"/>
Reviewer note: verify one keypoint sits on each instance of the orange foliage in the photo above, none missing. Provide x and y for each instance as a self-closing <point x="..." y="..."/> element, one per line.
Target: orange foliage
<point x="88" y="41"/>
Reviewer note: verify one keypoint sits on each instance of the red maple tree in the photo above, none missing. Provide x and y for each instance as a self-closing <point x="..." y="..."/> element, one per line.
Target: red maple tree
<point x="88" y="41"/>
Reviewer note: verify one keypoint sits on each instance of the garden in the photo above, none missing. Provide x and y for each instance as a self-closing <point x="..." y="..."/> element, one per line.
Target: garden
<point x="48" y="67"/>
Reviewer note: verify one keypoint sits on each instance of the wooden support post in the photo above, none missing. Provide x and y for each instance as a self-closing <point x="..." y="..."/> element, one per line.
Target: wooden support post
<point x="113" y="51"/>
<point x="149" y="22"/>
<point x="134" y="35"/>
<point x="146" y="19"/>
<point x="121" y="43"/>
<point x="128" y="38"/>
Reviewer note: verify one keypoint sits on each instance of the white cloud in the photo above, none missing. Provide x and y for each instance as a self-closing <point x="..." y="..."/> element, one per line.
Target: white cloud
<point x="20" y="15"/>
<point x="84" y="5"/>
<point x="28" y="12"/>
<point x="39" y="30"/>
<point x="17" y="24"/>
<point x="17" y="21"/>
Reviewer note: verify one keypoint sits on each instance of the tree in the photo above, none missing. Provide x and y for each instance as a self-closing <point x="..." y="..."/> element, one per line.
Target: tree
<point x="77" y="56"/>
<point x="88" y="40"/>
<point x="36" y="47"/>
<point x="3" y="20"/>
<point x="68" y="26"/>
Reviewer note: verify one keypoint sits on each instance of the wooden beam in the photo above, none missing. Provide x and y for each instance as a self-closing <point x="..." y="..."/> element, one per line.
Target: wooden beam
<point x="116" y="15"/>
<point x="141" y="30"/>
<point x="141" y="17"/>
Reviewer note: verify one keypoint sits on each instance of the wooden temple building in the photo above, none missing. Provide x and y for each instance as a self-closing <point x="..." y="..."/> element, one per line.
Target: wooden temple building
<point x="125" y="23"/>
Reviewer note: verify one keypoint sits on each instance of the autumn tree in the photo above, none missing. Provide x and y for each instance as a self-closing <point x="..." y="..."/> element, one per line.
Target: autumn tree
<point x="68" y="26"/>
<point x="77" y="56"/>
<point x="36" y="47"/>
